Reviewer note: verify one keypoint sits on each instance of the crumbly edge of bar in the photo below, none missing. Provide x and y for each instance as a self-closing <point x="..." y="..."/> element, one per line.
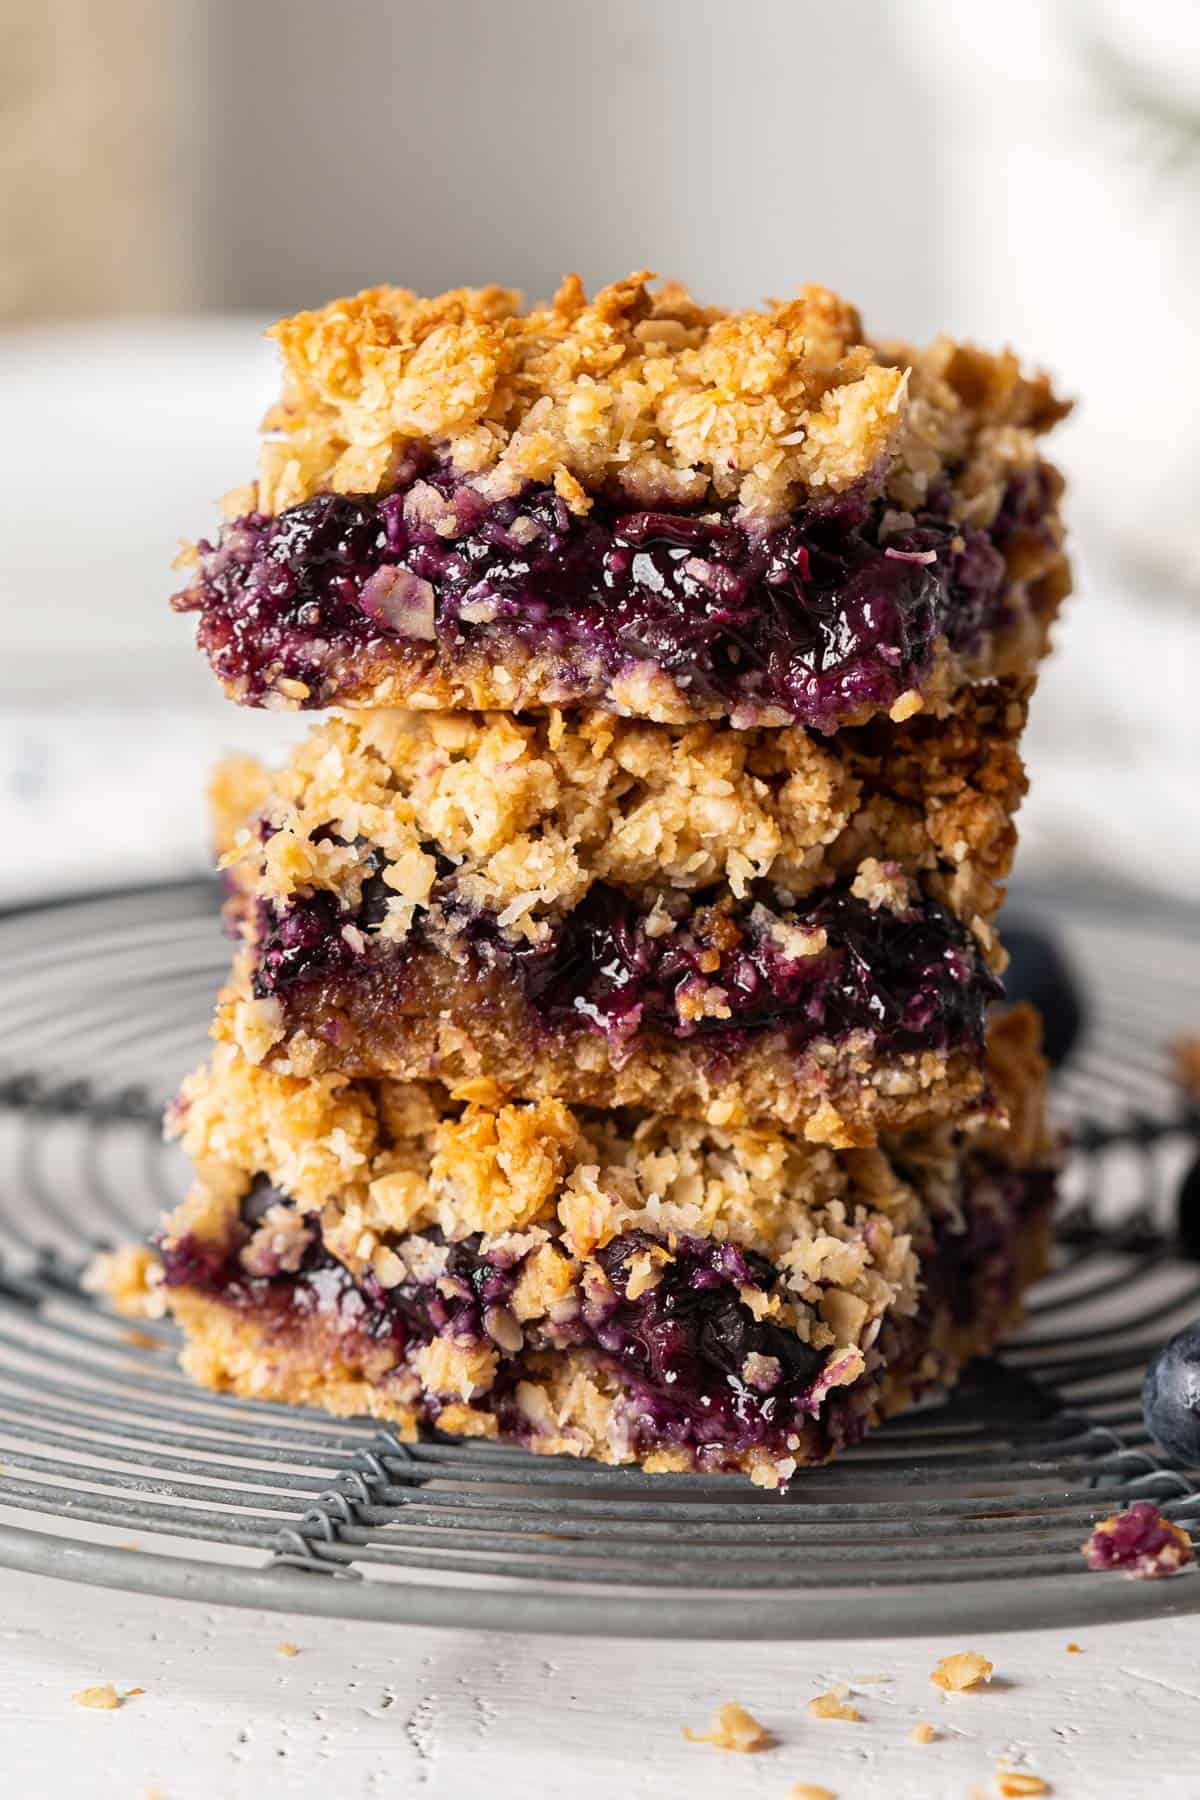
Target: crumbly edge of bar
<point x="401" y="1157"/>
<point x="535" y="810"/>
<point x="569" y="1403"/>
<point x="642" y="393"/>
<point x="453" y="1028"/>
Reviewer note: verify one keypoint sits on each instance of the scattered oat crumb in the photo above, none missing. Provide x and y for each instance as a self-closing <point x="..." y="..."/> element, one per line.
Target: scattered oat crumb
<point x="833" y="1706"/>
<point x="1011" y="1783"/>
<point x="966" y="1669"/>
<point x="1074" y="1649"/>
<point x="131" y="1545"/>
<point x="808" y="1790"/>
<point x="1139" y="1541"/>
<point x="288" y="1649"/>
<point x="132" y="1693"/>
<point x="100" y="1699"/>
<point x="733" y="1728"/>
<point x="922" y="1733"/>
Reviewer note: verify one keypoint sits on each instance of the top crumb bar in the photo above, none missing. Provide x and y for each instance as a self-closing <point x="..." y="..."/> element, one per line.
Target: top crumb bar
<point x="634" y="502"/>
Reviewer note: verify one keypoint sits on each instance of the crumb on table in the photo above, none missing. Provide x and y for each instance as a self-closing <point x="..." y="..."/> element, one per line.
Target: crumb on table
<point x="286" y="1649"/>
<point x="102" y="1698"/>
<point x="733" y="1728"/>
<point x="1074" y="1649"/>
<point x="1011" y="1783"/>
<point x="923" y="1733"/>
<point x="966" y="1669"/>
<point x="833" y="1706"/>
<point x="809" y="1790"/>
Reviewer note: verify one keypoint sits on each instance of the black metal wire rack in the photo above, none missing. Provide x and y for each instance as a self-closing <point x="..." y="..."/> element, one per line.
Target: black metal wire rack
<point x="115" y="1470"/>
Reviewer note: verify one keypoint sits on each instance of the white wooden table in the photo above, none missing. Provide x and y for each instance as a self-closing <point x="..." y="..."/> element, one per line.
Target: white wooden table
<point x="370" y="1710"/>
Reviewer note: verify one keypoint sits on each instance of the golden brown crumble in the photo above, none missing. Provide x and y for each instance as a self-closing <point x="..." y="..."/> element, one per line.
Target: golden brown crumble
<point x="286" y="1649"/>
<point x="923" y="1733"/>
<point x="833" y="1706"/>
<point x="532" y="812"/>
<point x="103" y="1698"/>
<point x="733" y="1728"/>
<point x="1010" y="1784"/>
<point x="810" y="1790"/>
<point x="129" y="1277"/>
<point x="642" y="393"/>
<point x="965" y="1669"/>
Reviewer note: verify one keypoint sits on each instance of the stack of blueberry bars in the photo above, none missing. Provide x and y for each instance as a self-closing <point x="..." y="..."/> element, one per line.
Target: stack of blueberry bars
<point x="613" y="1059"/>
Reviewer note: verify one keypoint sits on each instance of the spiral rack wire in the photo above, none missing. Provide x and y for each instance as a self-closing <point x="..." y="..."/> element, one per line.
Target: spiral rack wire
<point x="115" y="1470"/>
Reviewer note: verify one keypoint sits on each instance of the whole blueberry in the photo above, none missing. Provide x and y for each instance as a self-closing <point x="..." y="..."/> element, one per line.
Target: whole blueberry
<point x="1040" y="973"/>
<point x="1171" y="1396"/>
<point x="1187" y="1212"/>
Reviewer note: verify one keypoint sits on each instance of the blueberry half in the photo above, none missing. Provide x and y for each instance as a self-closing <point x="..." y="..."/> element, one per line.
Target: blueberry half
<point x="1187" y="1212"/>
<point x="1171" y="1396"/>
<point x="1040" y="973"/>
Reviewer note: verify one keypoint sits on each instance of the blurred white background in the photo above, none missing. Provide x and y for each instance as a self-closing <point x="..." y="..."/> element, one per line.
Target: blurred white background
<point x="174" y="174"/>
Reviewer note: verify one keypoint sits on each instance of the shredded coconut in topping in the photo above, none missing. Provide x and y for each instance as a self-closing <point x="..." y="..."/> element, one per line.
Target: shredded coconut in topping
<point x="532" y="812"/>
<point x="644" y="393"/>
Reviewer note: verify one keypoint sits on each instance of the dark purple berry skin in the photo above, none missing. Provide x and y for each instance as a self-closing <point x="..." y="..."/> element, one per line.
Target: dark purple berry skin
<point x="1187" y="1213"/>
<point x="1171" y="1396"/>
<point x="1038" y="971"/>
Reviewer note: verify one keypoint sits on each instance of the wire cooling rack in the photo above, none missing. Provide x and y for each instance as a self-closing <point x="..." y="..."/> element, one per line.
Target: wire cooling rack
<point x="115" y="1470"/>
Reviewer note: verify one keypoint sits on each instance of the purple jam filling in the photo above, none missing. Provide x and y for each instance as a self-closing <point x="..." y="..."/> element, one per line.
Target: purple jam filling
<point x="812" y="620"/>
<point x="680" y="1349"/>
<point x="915" y="981"/>
<point x="1140" y="1541"/>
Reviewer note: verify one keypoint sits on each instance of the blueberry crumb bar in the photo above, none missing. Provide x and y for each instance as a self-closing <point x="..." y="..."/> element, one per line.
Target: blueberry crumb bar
<point x="735" y="925"/>
<point x="627" y="1287"/>
<point x="637" y="502"/>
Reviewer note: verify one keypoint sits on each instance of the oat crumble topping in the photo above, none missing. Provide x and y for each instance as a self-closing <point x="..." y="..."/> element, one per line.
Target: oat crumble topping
<point x="532" y="812"/>
<point x="642" y="392"/>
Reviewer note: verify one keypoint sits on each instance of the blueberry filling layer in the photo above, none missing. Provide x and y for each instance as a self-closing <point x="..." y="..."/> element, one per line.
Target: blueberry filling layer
<point x="696" y="1367"/>
<point x="720" y="972"/>
<point x="832" y="613"/>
